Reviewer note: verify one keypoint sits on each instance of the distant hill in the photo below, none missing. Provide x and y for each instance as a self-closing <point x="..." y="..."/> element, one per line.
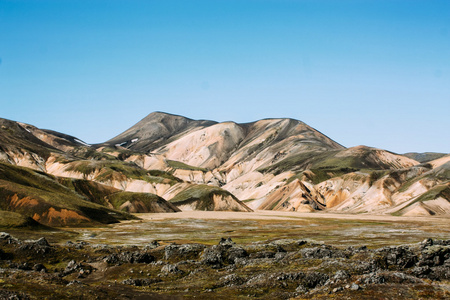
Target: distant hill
<point x="424" y="157"/>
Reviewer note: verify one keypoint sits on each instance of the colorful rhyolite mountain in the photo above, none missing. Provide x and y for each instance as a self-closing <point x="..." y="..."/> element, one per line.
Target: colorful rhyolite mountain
<point x="167" y="163"/>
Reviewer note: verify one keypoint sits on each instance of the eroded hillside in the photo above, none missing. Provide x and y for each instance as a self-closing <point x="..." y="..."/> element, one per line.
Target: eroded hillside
<point x="270" y="164"/>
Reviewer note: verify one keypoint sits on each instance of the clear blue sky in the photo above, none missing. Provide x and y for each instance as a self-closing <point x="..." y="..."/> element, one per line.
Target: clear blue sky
<point x="366" y="72"/>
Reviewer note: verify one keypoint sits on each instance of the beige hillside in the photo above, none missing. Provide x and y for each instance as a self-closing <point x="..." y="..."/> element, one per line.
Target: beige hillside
<point x="270" y="164"/>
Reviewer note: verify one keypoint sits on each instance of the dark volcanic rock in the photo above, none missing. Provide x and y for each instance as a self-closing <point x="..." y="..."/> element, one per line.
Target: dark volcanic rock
<point x="231" y="280"/>
<point x="440" y="273"/>
<point x="400" y="256"/>
<point x="434" y="255"/>
<point x="82" y="269"/>
<point x="224" y="253"/>
<point x="138" y="282"/>
<point x="313" y="279"/>
<point x="213" y="256"/>
<point x="38" y="247"/>
<point x="235" y="253"/>
<point x="152" y="245"/>
<point x="341" y="275"/>
<point x="322" y="252"/>
<point x="279" y="269"/>
<point x="226" y="242"/>
<point x="42" y="242"/>
<point x="171" y="269"/>
<point x="136" y="257"/>
<point x="10" y="295"/>
<point x="39" y="268"/>
<point x="183" y="252"/>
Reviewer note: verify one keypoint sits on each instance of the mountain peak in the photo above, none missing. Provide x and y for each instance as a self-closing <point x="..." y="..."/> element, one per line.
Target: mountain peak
<point x="155" y="129"/>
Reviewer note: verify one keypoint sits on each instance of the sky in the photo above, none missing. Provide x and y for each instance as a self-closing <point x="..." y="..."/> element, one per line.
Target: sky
<point x="363" y="72"/>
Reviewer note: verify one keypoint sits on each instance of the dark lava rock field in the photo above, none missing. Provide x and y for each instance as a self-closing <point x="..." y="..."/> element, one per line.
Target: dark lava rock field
<point x="277" y="269"/>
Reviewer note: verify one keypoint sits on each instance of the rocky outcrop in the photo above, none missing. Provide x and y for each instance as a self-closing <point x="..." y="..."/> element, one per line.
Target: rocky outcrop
<point x="279" y="269"/>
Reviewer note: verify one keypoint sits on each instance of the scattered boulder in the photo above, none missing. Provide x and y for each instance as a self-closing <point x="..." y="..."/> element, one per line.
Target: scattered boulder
<point x="83" y="269"/>
<point x="39" y="268"/>
<point x="152" y="245"/>
<point x="183" y="252"/>
<point x="138" y="282"/>
<point x="42" y="242"/>
<point x="440" y="273"/>
<point x="223" y="253"/>
<point x="171" y="269"/>
<point x="341" y="275"/>
<point x="226" y="242"/>
<point x="231" y="280"/>
<point x="235" y="254"/>
<point x="373" y="278"/>
<point x="213" y="256"/>
<point x="38" y="247"/>
<point x="314" y="279"/>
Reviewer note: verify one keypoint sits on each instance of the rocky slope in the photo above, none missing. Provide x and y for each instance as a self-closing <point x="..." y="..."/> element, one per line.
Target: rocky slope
<point x="276" y="164"/>
<point x="83" y="173"/>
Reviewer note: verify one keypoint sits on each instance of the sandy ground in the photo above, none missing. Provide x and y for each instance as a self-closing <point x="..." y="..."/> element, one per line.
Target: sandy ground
<point x="279" y="215"/>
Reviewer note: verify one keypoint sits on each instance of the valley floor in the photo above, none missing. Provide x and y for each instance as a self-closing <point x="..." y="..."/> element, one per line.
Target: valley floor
<point x="232" y="255"/>
<point x="207" y="226"/>
<point x="283" y="215"/>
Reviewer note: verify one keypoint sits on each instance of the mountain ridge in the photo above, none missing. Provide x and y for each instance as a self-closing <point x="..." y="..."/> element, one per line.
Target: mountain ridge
<point x="273" y="163"/>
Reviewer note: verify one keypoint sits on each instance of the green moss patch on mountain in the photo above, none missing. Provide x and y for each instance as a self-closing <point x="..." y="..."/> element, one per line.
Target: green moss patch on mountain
<point x="318" y="175"/>
<point x="339" y="162"/>
<point x="179" y="165"/>
<point x="140" y="203"/>
<point x="10" y="219"/>
<point x="206" y="197"/>
<point x="323" y="165"/>
<point x="104" y="171"/>
<point x="33" y="194"/>
<point x="91" y="190"/>
<point x="118" y="199"/>
<point x="91" y="153"/>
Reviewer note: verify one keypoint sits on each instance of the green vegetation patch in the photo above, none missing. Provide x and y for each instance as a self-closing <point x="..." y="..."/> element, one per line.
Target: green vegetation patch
<point x="326" y="164"/>
<point x="317" y="176"/>
<point x="10" y="219"/>
<point x="29" y="192"/>
<point x="179" y="165"/>
<point x="323" y="164"/>
<point x="200" y="191"/>
<point x="120" y="170"/>
<point x="91" y="153"/>
<point x="147" y="199"/>
<point x="202" y="194"/>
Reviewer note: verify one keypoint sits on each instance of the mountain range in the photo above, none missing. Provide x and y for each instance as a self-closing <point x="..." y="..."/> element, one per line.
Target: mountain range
<point x="168" y="163"/>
